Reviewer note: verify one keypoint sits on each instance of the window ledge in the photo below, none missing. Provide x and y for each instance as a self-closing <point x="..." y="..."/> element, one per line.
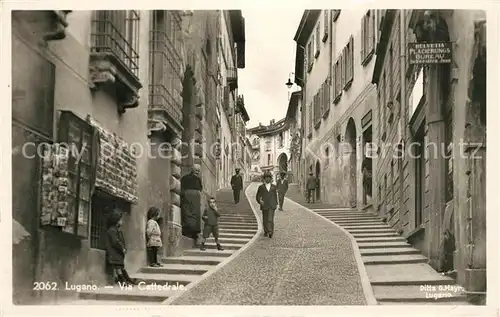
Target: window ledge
<point x="337" y="98"/>
<point x="110" y="75"/>
<point x="368" y="58"/>
<point x="325" y="37"/>
<point x="348" y="85"/>
<point x="317" y="124"/>
<point x="325" y="114"/>
<point x="310" y="67"/>
<point x="316" y="54"/>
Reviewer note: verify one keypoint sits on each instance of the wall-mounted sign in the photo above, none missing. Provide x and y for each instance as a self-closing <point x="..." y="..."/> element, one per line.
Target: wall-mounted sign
<point x="430" y="53"/>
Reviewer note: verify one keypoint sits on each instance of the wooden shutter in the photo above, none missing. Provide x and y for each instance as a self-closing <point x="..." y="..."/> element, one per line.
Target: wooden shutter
<point x="371" y="31"/>
<point x="321" y="101"/>
<point x="351" y="58"/>
<point x="342" y="70"/>
<point x="325" y="19"/>
<point x="363" y="35"/>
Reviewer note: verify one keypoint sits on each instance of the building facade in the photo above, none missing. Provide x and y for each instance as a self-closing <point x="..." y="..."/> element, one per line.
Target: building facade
<point x="273" y="147"/>
<point x="334" y="65"/>
<point x="430" y="178"/>
<point x="146" y="84"/>
<point x="293" y="117"/>
<point x="231" y="54"/>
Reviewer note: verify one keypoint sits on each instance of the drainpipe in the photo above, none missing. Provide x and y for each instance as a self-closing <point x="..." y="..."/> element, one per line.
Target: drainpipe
<point x="403" y="104"/>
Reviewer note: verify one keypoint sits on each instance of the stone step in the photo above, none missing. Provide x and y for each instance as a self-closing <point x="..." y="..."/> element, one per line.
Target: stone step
<point x="351" y="218"/>
<point x="171" y="279"/>
<point x="405" y="274"/>
<point x="358" y="223"/>
<point x="394" y="259"/>
<point x="380" y="239"/>
<point x="376" y="245"/>
<point x="345" y="215"/>
<point x="375" y="235"/>
<point x="239" y="226"/>
<point x="237" y="231"/>
<point x="361" y="226"/>
<point x="238" y="220"/>
<point x="379" y="230"/>
<point x="235" y="235"/>
<point x="241" y="241"/>
<point x="225" y="246"/>
<point x="133" y="294"/>
<point x="388" y="251"/>
<point x="417" y="293"/>
<point x="194" y="269"/>
<point x="208" y="253"/>
<point x="187" y="259"/>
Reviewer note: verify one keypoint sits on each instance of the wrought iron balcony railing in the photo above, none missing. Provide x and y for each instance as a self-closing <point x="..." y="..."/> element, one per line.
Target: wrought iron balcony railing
<point x="232" y="78"/>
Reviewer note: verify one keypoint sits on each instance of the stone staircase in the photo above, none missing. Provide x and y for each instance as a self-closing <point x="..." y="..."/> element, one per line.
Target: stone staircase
<point x="398" y="273"/>
<point x="237" y="227"/>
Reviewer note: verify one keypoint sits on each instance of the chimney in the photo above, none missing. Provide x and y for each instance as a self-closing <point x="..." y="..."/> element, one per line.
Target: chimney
<point x="272" y="122"/>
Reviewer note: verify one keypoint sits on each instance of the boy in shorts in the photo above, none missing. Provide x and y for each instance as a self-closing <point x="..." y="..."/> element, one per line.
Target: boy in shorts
<point x="211" y="218"/>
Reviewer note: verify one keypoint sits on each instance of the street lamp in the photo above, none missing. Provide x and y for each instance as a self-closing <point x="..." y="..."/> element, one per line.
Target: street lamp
<point x="289" y="83"/>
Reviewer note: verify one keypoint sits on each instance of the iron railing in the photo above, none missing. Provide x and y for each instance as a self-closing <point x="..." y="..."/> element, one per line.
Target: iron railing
<point x="117" y="33"/>
<point x="165" y="69"/>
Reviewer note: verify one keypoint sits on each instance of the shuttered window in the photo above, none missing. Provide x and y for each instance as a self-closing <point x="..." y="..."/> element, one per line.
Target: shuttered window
<point x="349" y="63"/>
<point x="367" y="36"/>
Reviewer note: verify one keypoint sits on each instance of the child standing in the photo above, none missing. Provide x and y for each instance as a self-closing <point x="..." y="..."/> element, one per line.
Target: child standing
<point x="115" y="249"/>
<point x="211" y="218"/>
<point x="153" y="235"/>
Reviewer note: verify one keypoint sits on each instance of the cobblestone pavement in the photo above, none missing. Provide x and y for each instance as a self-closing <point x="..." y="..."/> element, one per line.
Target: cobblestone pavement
<point x="307" y="262"/>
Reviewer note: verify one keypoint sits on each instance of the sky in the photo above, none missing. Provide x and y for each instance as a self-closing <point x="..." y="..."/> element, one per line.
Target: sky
<point x="269" y="59"/>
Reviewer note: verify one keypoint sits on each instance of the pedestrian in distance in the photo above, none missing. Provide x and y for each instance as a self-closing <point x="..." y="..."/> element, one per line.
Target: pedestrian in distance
<point x="237" y="185"/>
<point x="211" y="217"/>
<point x="115" y="249"/>
<point x="311" y="187"/>
<point x="282" y="185"/>
<point x="153" y="236"/>
<point x="267" y="197"/>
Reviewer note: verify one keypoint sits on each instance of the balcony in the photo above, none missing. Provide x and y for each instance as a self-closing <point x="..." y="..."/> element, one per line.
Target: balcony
<point x="114" y="58"/>
<point x="232" y="78"/>
<point x="165" y="71"/>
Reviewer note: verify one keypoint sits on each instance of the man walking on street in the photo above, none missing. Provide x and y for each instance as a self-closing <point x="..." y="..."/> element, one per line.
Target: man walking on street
<point x="267" y="197"/>
<point x="237" y="185"/>
<point x="282" y="186"/>
<point x="311" y="187"/>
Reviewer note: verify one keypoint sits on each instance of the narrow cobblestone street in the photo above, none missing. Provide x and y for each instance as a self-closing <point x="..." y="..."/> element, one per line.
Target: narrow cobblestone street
<point x="307" y="262"/>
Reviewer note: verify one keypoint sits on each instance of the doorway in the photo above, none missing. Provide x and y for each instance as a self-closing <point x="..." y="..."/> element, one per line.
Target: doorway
<point x="351" y="139"/>
<point x="367" y="166"/>
<point x="419" y="155"/>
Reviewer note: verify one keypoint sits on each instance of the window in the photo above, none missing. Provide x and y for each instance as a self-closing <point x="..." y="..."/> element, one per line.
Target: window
<point x="348" y="64"/>
<point x="325" y="25"/>
<point x="268" y="145"/>
<point x="367" y="37"/>
<point x="318" y="41"/>
<point x="392" y="182"/>
<point x="165" y="69"/>
<point x="268" y="159"/>
<point x="310" y="59"/>
<point x="326" y="98"/>
<point x="327" y="155"/>
<point x="384" y="108"/>
<point x="337" y="84"/>
<point x="385" y="188"/>
<point x="81" y="170"/>
<point x="117" y="32"/>
<point x="317" y="109"/>
<point x="335" y="15"/>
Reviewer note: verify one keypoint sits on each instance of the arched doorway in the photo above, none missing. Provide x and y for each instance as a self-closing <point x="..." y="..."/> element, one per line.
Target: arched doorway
<point x="318" y="177"/>
<point x="350" y="137"/>
<point x="283" y="163"/>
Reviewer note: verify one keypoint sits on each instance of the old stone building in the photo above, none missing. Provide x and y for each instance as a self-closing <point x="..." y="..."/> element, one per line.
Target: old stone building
<point x="333" y="66"/>
<point x="293" y="118"/>
<point x="271" y="146"/>
<point x="432" y="138"/>
<point x="127" y="89"/>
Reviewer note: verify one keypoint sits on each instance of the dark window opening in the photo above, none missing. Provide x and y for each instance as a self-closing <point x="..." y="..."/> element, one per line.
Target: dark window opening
<point x="419" y="155"/>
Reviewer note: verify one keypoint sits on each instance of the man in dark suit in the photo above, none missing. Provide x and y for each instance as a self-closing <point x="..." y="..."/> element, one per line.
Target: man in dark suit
<point x="267" y="197"/>
<point x="311" y="187"/>
<point x="237" y="185"/>
<point x="282" y="186"/>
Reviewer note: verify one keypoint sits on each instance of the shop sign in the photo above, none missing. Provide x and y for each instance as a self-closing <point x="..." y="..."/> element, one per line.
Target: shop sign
<point x="430" y="53"/>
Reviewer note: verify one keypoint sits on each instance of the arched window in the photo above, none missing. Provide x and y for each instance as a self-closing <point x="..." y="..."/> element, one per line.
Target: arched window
<point x="327" y="155"/>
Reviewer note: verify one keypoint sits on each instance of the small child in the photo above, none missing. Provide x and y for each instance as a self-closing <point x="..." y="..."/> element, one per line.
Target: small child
<point x="115" y="249"/>
<point x="211" y="218"/>
<point x="153" y="235"/>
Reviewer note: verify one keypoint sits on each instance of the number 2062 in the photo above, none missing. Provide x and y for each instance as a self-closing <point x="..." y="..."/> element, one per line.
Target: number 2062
<point x="44" y="286"/>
